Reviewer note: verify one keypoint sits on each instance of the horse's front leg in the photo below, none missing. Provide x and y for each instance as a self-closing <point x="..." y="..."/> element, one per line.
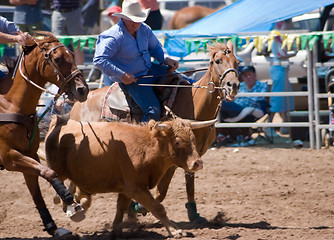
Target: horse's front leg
<point x="32" y="169"/>
<point x="15" y="161"/>
<point x="163" y="184"/>
<point x="35" y="192"/>
<point x="193" y="215"/>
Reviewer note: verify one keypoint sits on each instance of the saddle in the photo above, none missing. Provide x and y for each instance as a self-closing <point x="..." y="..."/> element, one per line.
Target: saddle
<point x="119" y="106"/>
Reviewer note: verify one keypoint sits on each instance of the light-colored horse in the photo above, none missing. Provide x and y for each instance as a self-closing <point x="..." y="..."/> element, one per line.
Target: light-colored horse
<point x="195" y="103"/>
<point x="44" y="60"/>
<point x="189" y="15"/>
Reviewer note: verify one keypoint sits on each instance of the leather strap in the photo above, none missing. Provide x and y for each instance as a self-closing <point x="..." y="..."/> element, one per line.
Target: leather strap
<point x="17" y="118"/>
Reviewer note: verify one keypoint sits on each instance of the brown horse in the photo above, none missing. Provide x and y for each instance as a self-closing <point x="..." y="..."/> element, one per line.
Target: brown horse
<point x="196" y="103"/>
<point x="189" y="15"/>
<point x="43" y="60"/>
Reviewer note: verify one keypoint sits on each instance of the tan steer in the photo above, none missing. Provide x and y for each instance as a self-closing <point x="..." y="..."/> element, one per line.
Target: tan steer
<point x="100" y="157"/>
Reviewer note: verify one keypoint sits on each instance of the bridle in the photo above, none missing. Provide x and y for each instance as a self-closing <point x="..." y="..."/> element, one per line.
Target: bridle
<point x="65" y="80"/>
<point x="222" y="76"/>
<point x="222" y="93"/>
<point x="62" y="88"/>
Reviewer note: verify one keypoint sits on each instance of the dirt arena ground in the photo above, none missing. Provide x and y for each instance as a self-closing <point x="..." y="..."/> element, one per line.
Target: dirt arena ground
<point x="270" y="191"/>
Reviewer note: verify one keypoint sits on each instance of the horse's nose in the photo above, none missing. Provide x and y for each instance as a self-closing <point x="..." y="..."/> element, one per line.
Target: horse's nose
<point x="234" y="85"/>
<point x="82" y="92"/>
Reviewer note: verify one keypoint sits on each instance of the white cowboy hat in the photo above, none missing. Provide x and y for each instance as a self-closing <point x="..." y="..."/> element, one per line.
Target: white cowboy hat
<point x="131" y="10"/>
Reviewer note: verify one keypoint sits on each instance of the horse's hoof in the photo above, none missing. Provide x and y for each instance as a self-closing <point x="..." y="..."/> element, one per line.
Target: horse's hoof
<point x="75" y="212"/>
<point x="193" y="215"/>
<point x="141" y="209"/>
<point x="137" y="208"/>
<point x="199" y="220"/>
<point x="62" y="233"/>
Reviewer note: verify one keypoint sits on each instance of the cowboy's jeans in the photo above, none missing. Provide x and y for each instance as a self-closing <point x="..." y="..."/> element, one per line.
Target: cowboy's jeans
<point x="144" y="96"/>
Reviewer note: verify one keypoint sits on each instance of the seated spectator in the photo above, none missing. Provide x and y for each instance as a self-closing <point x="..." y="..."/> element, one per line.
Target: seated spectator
<point x="246" y="109"/>
<point x="243" y="109"/>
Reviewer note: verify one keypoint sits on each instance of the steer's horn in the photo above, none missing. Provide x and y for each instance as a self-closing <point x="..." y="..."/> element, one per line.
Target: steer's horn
<point x="202" y="124"/>
<point x="160" y="126"/>
<point x="194" y="124"/>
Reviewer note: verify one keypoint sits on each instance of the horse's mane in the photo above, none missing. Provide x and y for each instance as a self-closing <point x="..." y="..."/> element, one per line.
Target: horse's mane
<point x="31" y="44"/>
<point x="216" y="46"/>
<point x="48" y="37"/>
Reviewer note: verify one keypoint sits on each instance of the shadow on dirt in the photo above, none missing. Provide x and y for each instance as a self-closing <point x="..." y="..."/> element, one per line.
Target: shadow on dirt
<point x="141" y="231"/>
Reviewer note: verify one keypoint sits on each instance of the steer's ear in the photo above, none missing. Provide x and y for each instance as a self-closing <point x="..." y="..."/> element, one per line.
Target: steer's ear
<point x="157" y="132"/>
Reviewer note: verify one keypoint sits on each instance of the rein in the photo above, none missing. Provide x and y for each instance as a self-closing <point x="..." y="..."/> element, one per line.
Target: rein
<point x="22" y="119"/>
<point x="211" y="87"/>
<point x="174" y="73"/>
<point x="221" y="97"/>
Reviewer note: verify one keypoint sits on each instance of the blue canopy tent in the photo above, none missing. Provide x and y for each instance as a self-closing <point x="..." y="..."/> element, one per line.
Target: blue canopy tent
<point x="240" y="17"/>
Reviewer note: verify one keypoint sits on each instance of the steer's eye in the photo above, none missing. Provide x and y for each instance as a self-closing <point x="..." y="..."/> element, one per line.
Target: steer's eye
<point x="217" y="61"/>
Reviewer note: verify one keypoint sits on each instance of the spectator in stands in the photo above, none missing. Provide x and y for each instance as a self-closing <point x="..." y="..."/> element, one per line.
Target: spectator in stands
<point x="243" y="109"/>
<point x="246" y="109"/>
<point x="280" y="79"/>
<point x="154" y="19"/>
<point x="66" y="20"/>
<point x="28" y="15"/>
<point x="114" y="19"/>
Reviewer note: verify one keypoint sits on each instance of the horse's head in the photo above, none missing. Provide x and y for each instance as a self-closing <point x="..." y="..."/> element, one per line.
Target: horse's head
<point x="224" y="68"/>
<point x="56" y="63"/>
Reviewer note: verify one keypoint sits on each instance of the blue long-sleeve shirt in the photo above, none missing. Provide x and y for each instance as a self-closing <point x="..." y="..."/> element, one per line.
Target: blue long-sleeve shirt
<point x="7" y="26"/>
<point x="251" y="101"/>
<point x="118" y="52"/>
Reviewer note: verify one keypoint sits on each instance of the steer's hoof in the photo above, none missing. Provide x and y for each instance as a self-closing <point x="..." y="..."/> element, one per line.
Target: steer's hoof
<point x="75" y="212"/>
<point x="178" y="233"/>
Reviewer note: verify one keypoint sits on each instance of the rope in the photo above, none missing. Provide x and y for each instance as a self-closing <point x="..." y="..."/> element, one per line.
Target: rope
<point x="171" y="74"/>
<point x="210" y="87"/>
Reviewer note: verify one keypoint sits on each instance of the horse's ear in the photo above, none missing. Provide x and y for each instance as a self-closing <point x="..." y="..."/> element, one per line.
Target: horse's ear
<point x="209" y="47"/>
<point x="230" y="45"/>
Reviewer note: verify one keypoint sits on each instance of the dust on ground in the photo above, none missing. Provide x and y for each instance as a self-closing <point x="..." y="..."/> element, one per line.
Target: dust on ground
<point x="267" y="191"/>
